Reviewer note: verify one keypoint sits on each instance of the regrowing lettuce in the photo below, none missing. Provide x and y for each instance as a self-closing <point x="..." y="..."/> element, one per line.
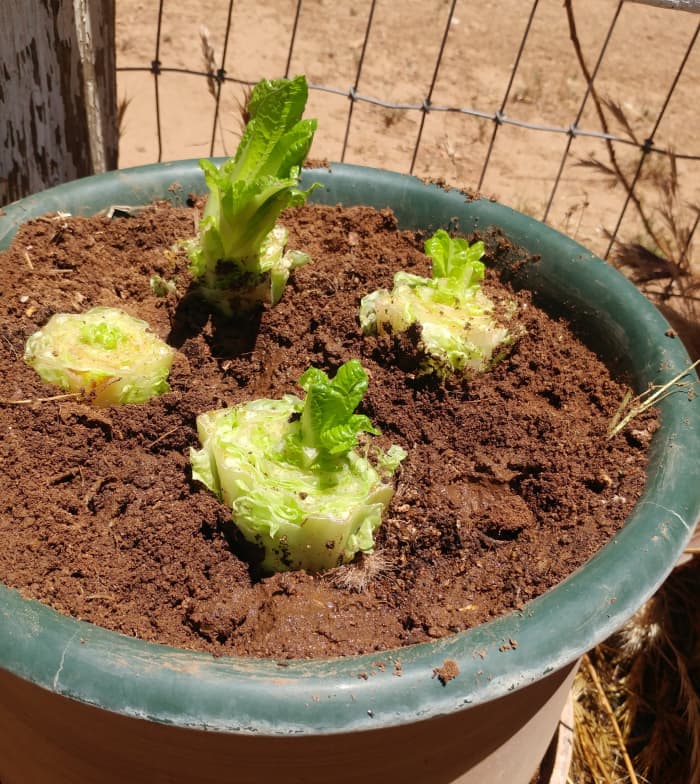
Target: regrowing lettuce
<point x="292" y="473"/>
<point x="238" y="257"/>
<point x="105" y="354"/>
<point x="458" y="332"/>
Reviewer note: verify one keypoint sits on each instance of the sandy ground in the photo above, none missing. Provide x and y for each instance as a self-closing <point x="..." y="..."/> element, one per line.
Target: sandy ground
<point x="643" y="56"/>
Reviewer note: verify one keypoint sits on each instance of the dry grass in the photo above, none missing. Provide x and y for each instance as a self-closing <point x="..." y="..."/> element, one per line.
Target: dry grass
<point x="209" y="59"/>
<point x="637" y="707"/>
<point x="660" y="259"/>
<point x="630" y="408"/>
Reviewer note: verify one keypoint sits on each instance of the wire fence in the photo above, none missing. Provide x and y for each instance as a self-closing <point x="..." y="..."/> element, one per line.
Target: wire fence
<point x="643" y="155"/>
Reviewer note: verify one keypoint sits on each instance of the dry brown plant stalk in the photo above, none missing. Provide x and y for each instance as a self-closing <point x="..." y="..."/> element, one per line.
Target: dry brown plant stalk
<point x="209" y="58"/>
<point x="666" y="273"/>
<point x="659" y="262"/>
<point x="672" y="241"/>
<point x="615" y="169"/>
<point x="213" y="85"/>
<point x="121" y="114"/>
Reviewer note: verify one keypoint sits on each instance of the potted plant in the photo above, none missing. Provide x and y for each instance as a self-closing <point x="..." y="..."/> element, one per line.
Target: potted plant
<point x="80" y="703"/>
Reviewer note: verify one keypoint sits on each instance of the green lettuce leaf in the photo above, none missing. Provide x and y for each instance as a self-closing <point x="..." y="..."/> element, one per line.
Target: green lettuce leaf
<point x="232" y="256"/>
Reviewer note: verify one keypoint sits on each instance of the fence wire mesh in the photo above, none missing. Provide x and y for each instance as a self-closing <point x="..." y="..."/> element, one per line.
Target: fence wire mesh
<point x="581" y="114"/>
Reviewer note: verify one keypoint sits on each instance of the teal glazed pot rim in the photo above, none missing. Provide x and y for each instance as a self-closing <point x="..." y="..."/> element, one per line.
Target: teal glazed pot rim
<point x="189" y="689"/>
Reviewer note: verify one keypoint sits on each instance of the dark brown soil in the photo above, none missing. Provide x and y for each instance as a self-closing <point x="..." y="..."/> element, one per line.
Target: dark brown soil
<point x="509" y="484"/>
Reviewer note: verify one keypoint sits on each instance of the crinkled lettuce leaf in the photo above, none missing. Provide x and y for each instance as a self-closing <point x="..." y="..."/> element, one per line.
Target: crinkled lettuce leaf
<point x="105" y="354"/>
<point x="290" y="471"/>
<point x="459" y="332"/>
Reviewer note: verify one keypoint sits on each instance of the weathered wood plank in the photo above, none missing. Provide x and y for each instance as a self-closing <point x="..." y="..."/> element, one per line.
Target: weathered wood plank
<point x="57" y="93"/>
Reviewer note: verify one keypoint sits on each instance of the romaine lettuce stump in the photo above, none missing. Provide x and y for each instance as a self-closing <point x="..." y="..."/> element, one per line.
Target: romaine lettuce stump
<point x="457" y="329"/>
<point x="238" y="257"/>
<point x="104" y="354"/>
<point x="292" y="474"/>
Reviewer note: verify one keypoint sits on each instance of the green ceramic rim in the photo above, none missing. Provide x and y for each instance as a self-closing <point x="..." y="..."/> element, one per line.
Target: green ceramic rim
<point x="146" y="680"/>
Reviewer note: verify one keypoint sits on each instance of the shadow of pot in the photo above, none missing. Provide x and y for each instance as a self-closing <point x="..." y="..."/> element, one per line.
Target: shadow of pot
<point x="82" y="704"/>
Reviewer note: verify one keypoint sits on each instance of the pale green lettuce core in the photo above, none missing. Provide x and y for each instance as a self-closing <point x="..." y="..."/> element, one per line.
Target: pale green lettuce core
<point x="105" y="354"/>
<point x="458" y="330"/>
<point x="291" y="474"/>
<point x="238" y="257"/>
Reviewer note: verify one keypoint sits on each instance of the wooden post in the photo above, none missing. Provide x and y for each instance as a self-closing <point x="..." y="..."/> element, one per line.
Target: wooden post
<point x="678" y="5"/>
<point x="58" y="107"/>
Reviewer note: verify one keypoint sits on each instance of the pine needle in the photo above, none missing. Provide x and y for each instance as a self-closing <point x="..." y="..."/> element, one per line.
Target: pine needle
<point x="613" y="721"/>
<point x="646" y="728"/>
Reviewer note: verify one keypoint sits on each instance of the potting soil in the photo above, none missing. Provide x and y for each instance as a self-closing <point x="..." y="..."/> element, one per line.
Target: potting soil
<point x="509" y="485"/>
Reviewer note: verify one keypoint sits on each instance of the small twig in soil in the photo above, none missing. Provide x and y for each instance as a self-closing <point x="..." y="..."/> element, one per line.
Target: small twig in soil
<point x="30" y="400"/>
<point x="644" y="401"/>
<point x="58" y="479"/>
<point x="162" y="436"/>
<point x="110" y="597"/>
<point x="10" y="347"/>
<point x="115" y="536"/>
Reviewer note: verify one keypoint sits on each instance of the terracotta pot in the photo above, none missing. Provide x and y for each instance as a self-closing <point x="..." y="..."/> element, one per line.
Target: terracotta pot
<point x="81" y="704"/>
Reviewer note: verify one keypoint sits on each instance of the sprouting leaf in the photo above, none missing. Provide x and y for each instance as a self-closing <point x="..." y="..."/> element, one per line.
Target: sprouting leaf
<point x="328" y="420"/>
<point x="453" y="257"/>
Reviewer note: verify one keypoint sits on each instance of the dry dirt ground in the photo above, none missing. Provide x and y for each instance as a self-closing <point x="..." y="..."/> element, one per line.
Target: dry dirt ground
<point x="643" y="56"/>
